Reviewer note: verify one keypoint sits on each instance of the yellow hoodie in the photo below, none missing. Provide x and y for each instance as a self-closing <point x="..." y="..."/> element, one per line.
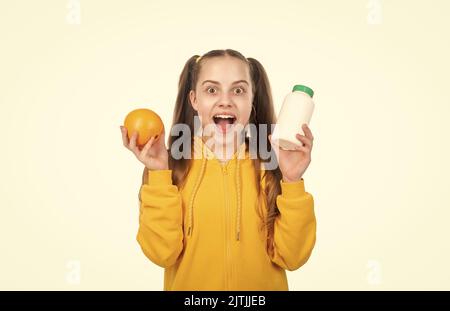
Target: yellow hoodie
<point x="209" y="234"/>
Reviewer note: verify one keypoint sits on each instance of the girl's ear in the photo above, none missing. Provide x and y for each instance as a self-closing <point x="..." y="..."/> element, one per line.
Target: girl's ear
<point x="193" y="99"/>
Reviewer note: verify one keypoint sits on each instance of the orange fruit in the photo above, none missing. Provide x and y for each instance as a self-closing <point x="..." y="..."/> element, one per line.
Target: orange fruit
<point x="146" y="122"/>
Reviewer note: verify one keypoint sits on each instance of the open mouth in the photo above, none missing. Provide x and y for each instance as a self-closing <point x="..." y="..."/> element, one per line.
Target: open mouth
<point x="224" y="121"/>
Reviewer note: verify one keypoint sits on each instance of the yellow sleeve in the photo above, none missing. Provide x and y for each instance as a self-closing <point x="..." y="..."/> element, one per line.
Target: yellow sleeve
<point x="160" y="233"/>
<point x="294" y="227"/>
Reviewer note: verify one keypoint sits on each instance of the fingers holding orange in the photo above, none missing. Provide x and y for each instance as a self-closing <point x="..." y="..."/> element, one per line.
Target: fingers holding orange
<point x="133" y="141"/>
<point x="147" y="147"/>
<point x="125" y="139"/>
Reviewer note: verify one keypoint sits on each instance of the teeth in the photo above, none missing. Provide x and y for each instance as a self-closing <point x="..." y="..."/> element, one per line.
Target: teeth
<point x="224" y="116"/>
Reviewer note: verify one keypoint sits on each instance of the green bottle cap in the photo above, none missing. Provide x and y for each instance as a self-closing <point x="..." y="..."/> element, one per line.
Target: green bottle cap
<point x="303" y="88"/>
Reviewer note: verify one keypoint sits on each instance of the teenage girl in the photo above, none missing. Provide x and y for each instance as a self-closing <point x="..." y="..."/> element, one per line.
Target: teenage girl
<point x="219" y="220"/>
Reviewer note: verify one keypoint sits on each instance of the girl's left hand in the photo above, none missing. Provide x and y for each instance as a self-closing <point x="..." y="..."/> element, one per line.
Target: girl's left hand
<point x="293" y="163"/>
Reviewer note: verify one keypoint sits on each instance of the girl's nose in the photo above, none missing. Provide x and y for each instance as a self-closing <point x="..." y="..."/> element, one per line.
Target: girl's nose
<point x="226" y="104"/>
<point x="225" y="101"/>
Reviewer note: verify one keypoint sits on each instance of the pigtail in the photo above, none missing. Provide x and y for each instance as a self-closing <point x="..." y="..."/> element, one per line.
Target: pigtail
<point x="183" y="113"/>
<point x="264" y="114"/>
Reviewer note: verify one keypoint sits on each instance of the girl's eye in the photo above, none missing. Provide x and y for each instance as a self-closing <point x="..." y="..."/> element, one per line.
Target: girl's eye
<point x="210" y="88"/>
<point x="241" y="90"/>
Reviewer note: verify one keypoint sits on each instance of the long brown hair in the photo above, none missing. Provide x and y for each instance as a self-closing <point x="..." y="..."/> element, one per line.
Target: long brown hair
<point x="262" y="113"/>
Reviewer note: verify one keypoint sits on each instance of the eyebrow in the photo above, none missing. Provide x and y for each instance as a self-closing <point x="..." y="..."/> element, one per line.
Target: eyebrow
<point x="216" y="82"/>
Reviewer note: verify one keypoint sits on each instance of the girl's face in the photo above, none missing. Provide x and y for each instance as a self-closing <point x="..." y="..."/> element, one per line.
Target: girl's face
<point x="223" y="94"/>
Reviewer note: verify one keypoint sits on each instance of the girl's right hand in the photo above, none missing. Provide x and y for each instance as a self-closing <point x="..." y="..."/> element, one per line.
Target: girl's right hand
<point x="153" y="155"/>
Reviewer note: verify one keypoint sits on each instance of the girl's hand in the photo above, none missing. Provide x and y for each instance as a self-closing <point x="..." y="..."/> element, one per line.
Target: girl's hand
<point x="293" y="163"/>
<point x="153" y="155"/>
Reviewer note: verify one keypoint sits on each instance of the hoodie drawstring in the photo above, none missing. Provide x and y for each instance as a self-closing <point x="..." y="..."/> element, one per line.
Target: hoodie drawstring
<point x="238" y="188"/>
<point x="197" y="185"/>
<point x="194" y="192"/>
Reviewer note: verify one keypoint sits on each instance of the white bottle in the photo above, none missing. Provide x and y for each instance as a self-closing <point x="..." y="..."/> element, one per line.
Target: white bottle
<point x="296" y="110"/>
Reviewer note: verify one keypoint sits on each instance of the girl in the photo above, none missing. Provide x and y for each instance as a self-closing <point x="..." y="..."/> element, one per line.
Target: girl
<point x="221" y="221"/>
